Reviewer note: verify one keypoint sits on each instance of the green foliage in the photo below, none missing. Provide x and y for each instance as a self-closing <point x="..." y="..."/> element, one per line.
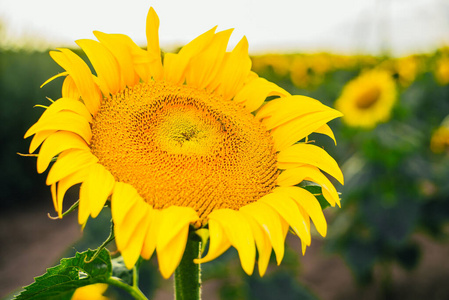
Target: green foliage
<point x="61" y="281"/>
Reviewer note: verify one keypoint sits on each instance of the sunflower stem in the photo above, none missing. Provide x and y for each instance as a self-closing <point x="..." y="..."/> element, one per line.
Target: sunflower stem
<point x="188" y="274"/>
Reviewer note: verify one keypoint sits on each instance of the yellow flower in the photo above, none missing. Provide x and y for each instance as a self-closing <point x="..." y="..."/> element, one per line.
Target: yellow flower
<point x="440" y="140"/>
<point x="442" y="70"/>
<point x="187" y="142"/>
<point x="368" y="99"/>
<point x="91" y="292"/>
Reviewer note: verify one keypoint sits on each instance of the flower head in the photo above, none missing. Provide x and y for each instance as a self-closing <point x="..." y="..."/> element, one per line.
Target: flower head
<point x="91" y="292"/>
<point x="368" y="99"/>
<point x="187" y="142"/>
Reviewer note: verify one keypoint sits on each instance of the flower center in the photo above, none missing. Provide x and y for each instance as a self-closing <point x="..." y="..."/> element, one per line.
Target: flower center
<point x="368" y="98"/>
<point x="180" y="146"/>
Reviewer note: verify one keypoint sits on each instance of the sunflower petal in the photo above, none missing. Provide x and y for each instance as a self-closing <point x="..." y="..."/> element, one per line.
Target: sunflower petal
<point x="326" y="130"/>
<point x="153" y="47"/>
<point x="239" y="234"/>
<point x="82" y="77"/>
<point x="69" y="89"/>
<point x="270" y="221"/>
<point x="254" y="93"/>
<point x="56" y="143"/>
<point x="301" y="153"/>
<point x="175" y="71"/>
<point x="170" y="256"/>
<point x="132" y="251"/>
<point x="169" y="228"/>
<point x="104" y="64"/>
<point x="218" y="242"/>
<point x="97" y="187"/>
<point x="123" y="198"/>
<point x="283" y="110"/>
<point x="39" y="138"/>
<point x="65" y="183"/>
<point x="72" y="161"/>
<point x="117" y="45"/>
<point x="150" y="241"/>
<point x="64" y="120"/>
<point x="262" y="242"/>
<point x="124" y="231"/>
<point x="309" y="203"/>
<point x="288" y="210"/>
<point x="294" y="176"/>
<point x="234" y="71"/>
<point x="204" y="67"/>
<point x="289" y="133"/>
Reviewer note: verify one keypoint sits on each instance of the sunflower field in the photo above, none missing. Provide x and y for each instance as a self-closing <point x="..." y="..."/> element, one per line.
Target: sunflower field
<point x="392" y="147"/>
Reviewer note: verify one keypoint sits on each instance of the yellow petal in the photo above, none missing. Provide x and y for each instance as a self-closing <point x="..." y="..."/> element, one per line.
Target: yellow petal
<point x="38" y="138"/>
<point x="294" y="176"/>
<point x="283" y="110"/>
<point x="204" y="67"/>
<point x="117" y="45"/>
<point x="174" y="219"/>
<point x="124" y="231"/>
<point x="72" y="161"/>
<point x="152" y="32"/>
<point x="270" y="221"/>
<point x="262" y="243"/>
<point x="288" y="210"/>
<point x="310" y="205"/>
<point x="301" y="153"/>
<point x="234" y="71"/>
<point x="289" y="133"/>
<point x="326" y="130"/>
<point x="53" y="78"/>
<point x="82" y="77"/>
<point x="149" y="243"/>
<point x="218" y="242"/>
<point x="239" y="234"/>
<point x="69" y="89"/>
<point x="83" y="206"/>
<point x="67" y="182"/>
<point x="175" y="65"/>
<point x="97" y="187"/>
<point x="253" y="94"/>
<point x="64" y="120"/>
<point x="105" y="65"/>
<point x="170" y="256"/>
<point x="55" y="144"/>
<point x="123" y="198"/>
<point x="132" y="251"/>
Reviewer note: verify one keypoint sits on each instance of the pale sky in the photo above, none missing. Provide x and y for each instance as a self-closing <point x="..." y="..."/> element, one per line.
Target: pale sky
<point x="348" y="26"/>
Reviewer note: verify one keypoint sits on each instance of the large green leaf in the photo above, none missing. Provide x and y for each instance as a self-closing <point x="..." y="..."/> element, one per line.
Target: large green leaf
<point x="61" y="281"/>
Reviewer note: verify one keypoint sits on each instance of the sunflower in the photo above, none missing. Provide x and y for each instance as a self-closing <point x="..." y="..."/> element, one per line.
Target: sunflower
<point x="368" y="99"/>
<point x="187" y="142"/>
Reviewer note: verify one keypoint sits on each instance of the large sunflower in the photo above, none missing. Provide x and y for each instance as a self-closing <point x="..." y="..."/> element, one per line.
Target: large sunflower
<point x="368" y="99"/>
<point x="189" y="141"/>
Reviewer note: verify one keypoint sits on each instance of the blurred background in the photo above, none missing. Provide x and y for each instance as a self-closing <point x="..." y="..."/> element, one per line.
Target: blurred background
<point x="390" y="238"/>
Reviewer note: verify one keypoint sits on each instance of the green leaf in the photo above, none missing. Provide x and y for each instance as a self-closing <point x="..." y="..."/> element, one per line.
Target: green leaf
<point x="121" y="271"/>
<point x="61" y="281"/>
<point x="315" y="189"/>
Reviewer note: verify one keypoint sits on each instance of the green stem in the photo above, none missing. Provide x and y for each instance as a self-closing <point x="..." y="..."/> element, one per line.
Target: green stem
<point x="188" y="273"/>
<point x="132" y="290"/>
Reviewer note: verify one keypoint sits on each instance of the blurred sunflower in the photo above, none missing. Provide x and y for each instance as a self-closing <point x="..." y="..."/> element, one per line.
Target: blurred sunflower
<point x="187" y="142"/>
<point x="442" y="70"/>
<point x="368" y="99"/>
<point x="91" y="292"/>
<point x="439" y="141"/>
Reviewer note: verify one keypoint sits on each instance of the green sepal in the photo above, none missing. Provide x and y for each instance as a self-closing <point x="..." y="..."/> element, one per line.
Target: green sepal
<point x="61" y="281"/>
